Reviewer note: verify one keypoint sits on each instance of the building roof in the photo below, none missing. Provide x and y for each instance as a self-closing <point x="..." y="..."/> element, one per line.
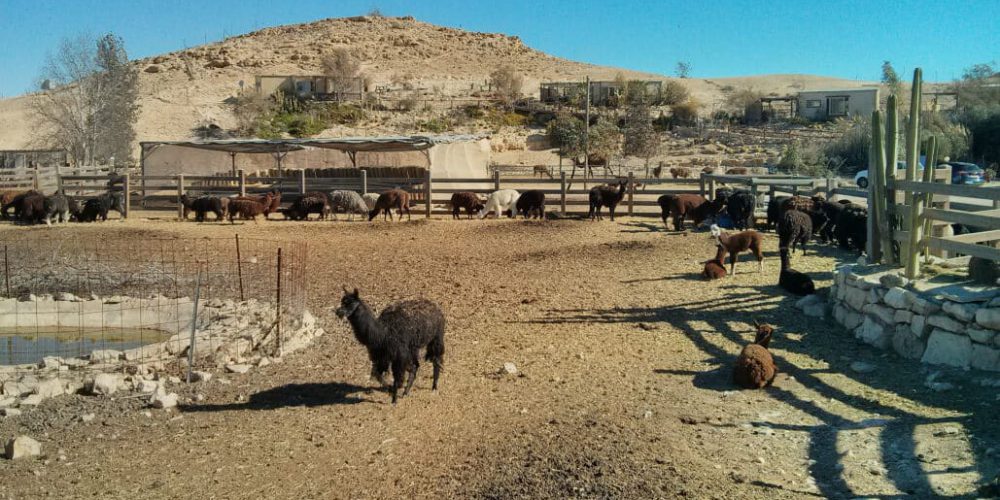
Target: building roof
<point x="346" y="144"/>
<point x="828" y="91"/>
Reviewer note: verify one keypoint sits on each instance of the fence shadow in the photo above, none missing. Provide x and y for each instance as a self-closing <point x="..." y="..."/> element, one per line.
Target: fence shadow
<point x="906" y="468"/>
<point x="310" y="395"/>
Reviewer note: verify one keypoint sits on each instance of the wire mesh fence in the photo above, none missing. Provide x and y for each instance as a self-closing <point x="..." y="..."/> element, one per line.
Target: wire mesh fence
<point x="77" y="301"/>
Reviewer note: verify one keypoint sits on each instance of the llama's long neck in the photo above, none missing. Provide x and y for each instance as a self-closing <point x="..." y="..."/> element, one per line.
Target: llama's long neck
<point x="367" y="328"/>
<point x="784" y="259"/>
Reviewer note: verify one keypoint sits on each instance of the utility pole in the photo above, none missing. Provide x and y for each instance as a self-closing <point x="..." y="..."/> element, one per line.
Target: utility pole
<point x="586" y="135"/>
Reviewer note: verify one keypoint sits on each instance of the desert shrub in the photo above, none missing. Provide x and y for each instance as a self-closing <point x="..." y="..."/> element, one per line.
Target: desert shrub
<point x="473" y="112"/>
<point x="850" y="150"/>
<point x="507" y="84"/>
<point x="674" y="93"/>
<point x="952" y="138"/>
<point x="804" y="160"/>
<point x="738" y="100"/>
<point x="343" y="114"/>
<point x="685" y="114"/>
<point x="435" y="125"/>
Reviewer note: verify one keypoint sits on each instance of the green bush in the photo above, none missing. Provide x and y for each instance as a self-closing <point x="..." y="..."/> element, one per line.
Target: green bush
<point x="850" y="150"/>
<point x="804" y="160"/>
<point x="685" y="114"/>
<point x="344" y="114"/>
<point x="435" y="125"/>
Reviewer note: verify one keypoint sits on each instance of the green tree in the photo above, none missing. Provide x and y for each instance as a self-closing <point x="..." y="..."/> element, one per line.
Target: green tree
<point x="890" y="78"/>
<point x="566" y="132"/>
<point x="683" y="69"/>
<point x="641" y="139"/>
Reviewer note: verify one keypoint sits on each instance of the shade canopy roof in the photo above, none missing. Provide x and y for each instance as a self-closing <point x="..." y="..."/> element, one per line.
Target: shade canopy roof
<point x="346" y="144"/>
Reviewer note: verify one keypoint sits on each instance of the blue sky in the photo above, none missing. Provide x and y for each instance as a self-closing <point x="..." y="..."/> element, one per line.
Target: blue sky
<point x="843" y="38"/>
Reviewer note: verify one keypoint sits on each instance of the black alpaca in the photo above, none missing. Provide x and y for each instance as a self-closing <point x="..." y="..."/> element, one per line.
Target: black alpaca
<point x="605" y="196"/>
<point x="794" y="229"/>
<point x="794" y="281"/>
<point x="395" y="338"/>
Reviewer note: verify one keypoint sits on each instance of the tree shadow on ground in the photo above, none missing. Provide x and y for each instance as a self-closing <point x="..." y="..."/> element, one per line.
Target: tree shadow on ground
<point x="310" y="395"/>
<point x="844" y="393"/>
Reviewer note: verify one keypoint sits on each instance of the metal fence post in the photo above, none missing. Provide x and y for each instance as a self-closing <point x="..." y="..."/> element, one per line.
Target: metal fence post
<point x="631" y="192"/>
<point x="127" y="186"/>
<point x="180" y="192"/>
<point x="242" y="182"/>
<point x="302" y="181"/>
<point x="277" y="323"/>
<point x="562" y="192"/>
<point x="239" y="267"/>
<point x="428" y="192"/>
<point x="194" y="326"/>
<point x="364" y="181"/>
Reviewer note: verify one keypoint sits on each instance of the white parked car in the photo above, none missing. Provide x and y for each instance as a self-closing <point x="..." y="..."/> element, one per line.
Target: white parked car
<point x="861" y="178"/>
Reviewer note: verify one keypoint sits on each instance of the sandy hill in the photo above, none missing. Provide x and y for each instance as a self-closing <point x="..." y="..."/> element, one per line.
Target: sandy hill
<point x="183" y="89"/>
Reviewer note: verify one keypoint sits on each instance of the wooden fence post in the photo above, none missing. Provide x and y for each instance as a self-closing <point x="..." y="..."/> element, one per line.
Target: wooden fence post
<point x="180" y="192"/>
<point x="242" y="182"/>
<point x="711" y="188"/>
<point x="302" y="181"/>
<point x="428" y="192"/>
<point x="701" y="184"/>
<point x="631" y="192"/>
<point x="496" y="180"/>
<point x="59" y="181"/>
<point x="127" y="186"/>
<point x="34" y="179"/>
<point x="562" y="193"/>
<point x="829" y="188"/>
<point x="364" y="181"/>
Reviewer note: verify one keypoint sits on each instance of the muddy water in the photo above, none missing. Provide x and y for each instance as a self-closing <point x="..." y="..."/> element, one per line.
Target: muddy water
<point x="30" y="345"/>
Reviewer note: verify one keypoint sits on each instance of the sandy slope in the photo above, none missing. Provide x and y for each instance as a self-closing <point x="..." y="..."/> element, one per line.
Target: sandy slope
<point x="189" y="86"/>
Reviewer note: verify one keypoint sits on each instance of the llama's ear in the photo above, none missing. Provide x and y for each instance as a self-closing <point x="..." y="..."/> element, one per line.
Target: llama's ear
<point x="344" y="287"/>
<point x="356" y="292"/>
<point x="756" y="324"/>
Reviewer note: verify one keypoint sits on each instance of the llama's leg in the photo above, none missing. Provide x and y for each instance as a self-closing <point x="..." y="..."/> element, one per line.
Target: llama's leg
<point x="415" y="364"/>
<point x="611" y="209"/>
<point x="437" y="373"/>
<point x="732" y="263"/>
<point x="398" y="370"/>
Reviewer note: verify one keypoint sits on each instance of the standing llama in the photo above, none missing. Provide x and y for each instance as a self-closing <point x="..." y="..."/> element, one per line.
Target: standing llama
<point x="395" y="338"/>
<point x="606" y="196"/>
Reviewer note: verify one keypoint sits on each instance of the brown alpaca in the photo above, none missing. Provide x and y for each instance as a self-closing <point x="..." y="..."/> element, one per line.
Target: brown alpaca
<point x="248" y="209"/>
<point x="739" y="242"/>
<point x="695" y="206"/>
<point x="679" y="172"/>
<point x="468" y="200"/>
<point x="715" y="269"/>
<point x="737" y="171"/>
<point x="754" y="368"/>
<point x="708" y="170"/>
<point x="393" y="198"/>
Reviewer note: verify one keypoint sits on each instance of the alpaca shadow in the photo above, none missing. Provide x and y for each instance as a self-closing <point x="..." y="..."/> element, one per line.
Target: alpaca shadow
<point x="719" y="379"/>
<point x="309" y="395"/>
<point x="682" y="277"/>
<point x="649" y="228"/>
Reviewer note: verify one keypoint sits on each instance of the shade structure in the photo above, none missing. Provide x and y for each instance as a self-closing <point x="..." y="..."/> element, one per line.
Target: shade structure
<point x="444" y="155"/>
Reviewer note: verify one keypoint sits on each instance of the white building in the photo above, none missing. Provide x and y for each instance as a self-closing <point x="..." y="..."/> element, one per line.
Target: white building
<point x="821" y="105"/>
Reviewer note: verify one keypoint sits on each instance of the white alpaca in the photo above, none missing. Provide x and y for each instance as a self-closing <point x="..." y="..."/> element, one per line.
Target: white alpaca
<point x="500" y="202"/>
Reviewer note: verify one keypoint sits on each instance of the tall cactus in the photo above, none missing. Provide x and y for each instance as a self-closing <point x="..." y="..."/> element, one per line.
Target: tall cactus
<point x="878" y="245"/>
<point x="891" y="158"/>
<point x="929" y="170"/>
<point x="912" y="160"/>
<point x="917" y="215"/>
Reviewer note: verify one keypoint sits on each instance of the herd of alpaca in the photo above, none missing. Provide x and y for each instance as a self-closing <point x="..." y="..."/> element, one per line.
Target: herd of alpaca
<point x="34" y="207"/>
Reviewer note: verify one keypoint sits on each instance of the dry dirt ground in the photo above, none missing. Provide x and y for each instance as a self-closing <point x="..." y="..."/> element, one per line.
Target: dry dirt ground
<point x="623" y="388"/>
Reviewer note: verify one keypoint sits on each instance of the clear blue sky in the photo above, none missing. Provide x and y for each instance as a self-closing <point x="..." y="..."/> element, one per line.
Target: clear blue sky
<point x="848" y="39"/>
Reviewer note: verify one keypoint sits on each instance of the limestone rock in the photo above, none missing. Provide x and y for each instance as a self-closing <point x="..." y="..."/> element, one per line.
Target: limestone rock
<point x="885" y="314"/>
<point x="985" y="358"/>
<point x="32" y="400"/>
<point x="898" y="298"/>
<point x="199" y="376"/>
<point x="905" y="344"/>
<point x="160" y="399"/>
<point x="902" y="316"/>
<point x="146" y="386"/>
<point x="923" y="306"/>
<point x="856" y="298"/>
<point x="852" y="320"/>
<point x="238" y="368"/>
<point x="891" y="280"/>
<point x="863" y="367"/>
<point x="10" y="412"/>
<point x="22" y="446"/>
<point x="918" y="326"/>
<point x="962" y="312"/>
<point x="875" y="295"/>
<point x="873" y="333"/>
<point x="946" y="323"/>
<point x="105" y="355"/>
<point x="946" y="348"/>
<point x="50" y="388"/>
<point x="990" y="318"/>
<point x="981" y="336"/>
<point x="509" y="368"/>
<point x="105" y="384"/>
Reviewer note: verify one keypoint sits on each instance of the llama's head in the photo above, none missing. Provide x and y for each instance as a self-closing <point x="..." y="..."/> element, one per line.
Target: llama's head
<point x="348" y="303"/>
<point x="764" y="332"/>
<point x="716" y="232"/>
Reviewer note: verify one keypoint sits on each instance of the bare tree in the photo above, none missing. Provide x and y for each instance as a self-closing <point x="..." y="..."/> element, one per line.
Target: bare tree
<point x="344" y="70"/>
<point x="92" y="107"/>
<point x="683" y="69"/>
<point x="507" y="84"/>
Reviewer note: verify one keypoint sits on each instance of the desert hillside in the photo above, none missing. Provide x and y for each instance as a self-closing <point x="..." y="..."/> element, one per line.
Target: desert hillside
<point x="183" y="89"/>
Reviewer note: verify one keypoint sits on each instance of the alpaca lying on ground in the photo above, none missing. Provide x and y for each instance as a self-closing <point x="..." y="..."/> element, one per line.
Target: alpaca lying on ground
<point x="794" y="281"/>
<point x="735" y="243"/>
<point x="502" y="202"/>
<point x="395" y="338"/>
<point x="754" y="368"/>
<point x="606" y="196"/>
<point x="715" y="269"/>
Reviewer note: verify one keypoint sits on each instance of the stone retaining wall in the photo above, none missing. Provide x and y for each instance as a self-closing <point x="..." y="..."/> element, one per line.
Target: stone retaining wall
<point x="881" y="311"/>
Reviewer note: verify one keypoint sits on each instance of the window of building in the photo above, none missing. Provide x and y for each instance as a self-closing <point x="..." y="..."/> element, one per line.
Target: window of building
<point x="813" y="103"/>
